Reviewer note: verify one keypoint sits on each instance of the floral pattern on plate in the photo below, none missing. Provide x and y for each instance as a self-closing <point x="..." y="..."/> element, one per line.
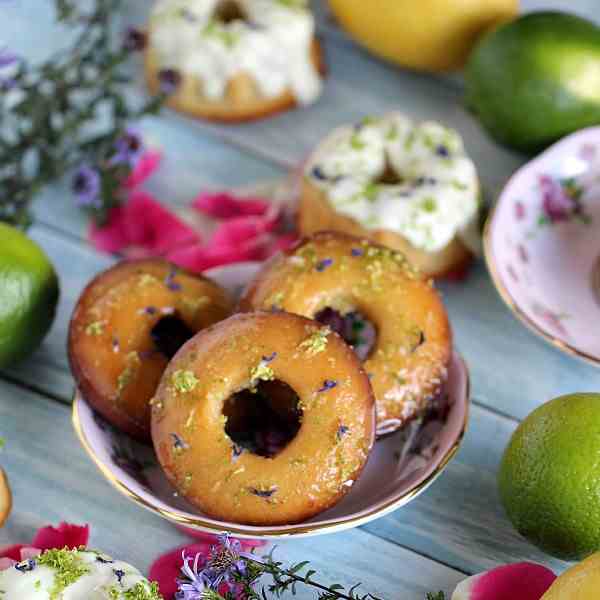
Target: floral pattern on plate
<point x="542" y="243"/>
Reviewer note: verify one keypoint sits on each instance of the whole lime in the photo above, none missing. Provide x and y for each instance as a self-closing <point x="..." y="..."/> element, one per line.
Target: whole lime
<point x="536" y="79"/>
<point x="28" y="295"/>
<point x="550" y="477"/>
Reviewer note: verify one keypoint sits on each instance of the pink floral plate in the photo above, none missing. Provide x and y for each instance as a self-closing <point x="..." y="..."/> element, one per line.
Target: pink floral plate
<point x="542" y="244"/>
<point x="401" y="465"/>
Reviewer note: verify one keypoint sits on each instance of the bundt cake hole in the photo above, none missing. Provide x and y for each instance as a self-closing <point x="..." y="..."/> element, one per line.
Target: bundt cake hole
<point x="229" y="11"/>
<point x="389" y="176"/>
<point x="263" y="420"/>
<point x="354" y="327"/>
<point x="169" y="334"/>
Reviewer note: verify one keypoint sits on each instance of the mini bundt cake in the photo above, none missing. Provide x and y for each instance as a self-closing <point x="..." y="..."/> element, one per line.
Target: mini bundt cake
<point x="370" y="294"/>
<point x="409" y="186"/>
<point x="233" y="60"/>
<point x="129" y="321"/>
<point x="263" y="419"/>
<point x="79" y="574"/>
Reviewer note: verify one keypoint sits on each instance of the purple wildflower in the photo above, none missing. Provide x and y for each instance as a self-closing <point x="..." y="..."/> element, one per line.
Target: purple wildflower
<point x="323" y="264"/>
<point x="8" y="58"/>
<point x="194" y="582"/>
<point x="443" y="151"/>
<point x="225" y="563"/>
<point x="129" y="148"/>
<point x="357" y="252"/>
<point x="86" y="186"/>
<point x="169" y="80"/>
<point x="134" y="39"/>
<point x="328" y="384"/>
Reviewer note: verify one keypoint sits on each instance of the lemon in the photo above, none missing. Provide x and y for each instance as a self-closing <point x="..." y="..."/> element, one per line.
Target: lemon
<point x="581" y="582"/>
<point x="28" y="295"/>
<point x="550" y="476"/>
<point x="431" y="35"/>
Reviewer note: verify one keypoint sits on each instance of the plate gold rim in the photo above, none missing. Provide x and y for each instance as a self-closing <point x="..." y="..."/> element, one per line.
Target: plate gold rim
<point x="519" y="313"/>
<point x="200" y="524"/>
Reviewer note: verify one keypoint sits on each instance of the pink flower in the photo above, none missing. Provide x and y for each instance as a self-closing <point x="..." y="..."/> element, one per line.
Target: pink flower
<point x="519" y="211"/>
<point x="556" y="202"/>
<point x="519" y="581"/>
<point x="65" y="535"/>
<point x="251" y="229"/>
<point x="142" y="227"/>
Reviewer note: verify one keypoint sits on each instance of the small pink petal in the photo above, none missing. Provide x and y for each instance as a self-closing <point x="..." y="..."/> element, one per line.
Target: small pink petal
<point x="519" y="211"/>
<point x="167" y="568"/>
<point x="142" y="227"/>
<point x="153" y="227"/>
<point x="13" y="552"/>
<point x="112" y="237"/>
<point x="282" y="243"/>
<point x="30" y="552"/>
<point x="243" y="229"/>
<point x="146" y="165"/>
<point x="519" y="581"/>
<point x="66" y="534"/>
<point x="6" y="563"/>
<point x="199" y="258"/>
<point x="225" y="206"/>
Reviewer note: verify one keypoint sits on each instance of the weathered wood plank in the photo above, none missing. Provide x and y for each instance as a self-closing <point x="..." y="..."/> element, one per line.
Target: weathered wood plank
<point x="458" y="521"/>
<point x="54" y="480"/>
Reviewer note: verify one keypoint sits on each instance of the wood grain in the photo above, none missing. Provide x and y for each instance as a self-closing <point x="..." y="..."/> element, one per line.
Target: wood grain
<point x="456" y="526"/>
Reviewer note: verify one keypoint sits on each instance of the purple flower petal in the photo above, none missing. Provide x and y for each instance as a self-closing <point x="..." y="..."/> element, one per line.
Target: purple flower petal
<point x="129" y="148"/>
<point x="328" y="384"/>
<point x="169" y="80"/>
<point x="323" y="264"/>
<point x="8" y="58"/>
<point x="86" y="186"/>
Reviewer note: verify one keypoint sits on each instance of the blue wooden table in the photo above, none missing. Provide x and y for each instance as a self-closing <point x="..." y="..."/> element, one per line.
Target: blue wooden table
<point x="457" y="527"/>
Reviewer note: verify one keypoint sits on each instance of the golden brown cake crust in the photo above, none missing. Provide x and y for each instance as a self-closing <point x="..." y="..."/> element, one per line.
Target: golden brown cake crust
<point x="5" y="498"/>
<point x="113" y="358"/>
<point x="314" y="470"/>
<point x="316" y="214"/>
<point x="242" y="101"/>
<point x="408" y="364"/>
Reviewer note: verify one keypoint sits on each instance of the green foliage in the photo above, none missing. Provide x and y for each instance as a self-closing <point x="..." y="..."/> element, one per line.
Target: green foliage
<point x="49" y="112"/>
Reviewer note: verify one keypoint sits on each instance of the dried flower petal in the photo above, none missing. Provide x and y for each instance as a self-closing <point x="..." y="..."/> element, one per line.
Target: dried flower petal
<point x="223" y="205"/>
<point x="527" y="581"/>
